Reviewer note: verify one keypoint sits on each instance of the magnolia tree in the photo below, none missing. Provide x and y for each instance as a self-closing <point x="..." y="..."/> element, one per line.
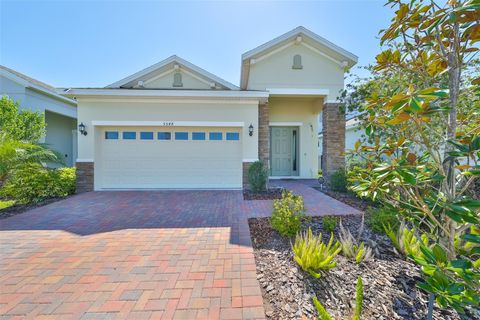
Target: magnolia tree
<point x="421" y="115"/>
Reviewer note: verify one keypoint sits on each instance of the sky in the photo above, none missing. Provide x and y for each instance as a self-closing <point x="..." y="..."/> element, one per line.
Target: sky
<point x="95" y="43"/>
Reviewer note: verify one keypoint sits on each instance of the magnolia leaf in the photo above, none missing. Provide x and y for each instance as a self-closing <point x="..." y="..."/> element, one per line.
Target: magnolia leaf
<point x="463" y="167"/>
<point x="401" y="117"/>
<point x="411" y="158"/>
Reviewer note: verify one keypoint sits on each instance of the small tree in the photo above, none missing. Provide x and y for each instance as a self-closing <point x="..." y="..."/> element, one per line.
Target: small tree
<point x="258" y="177"/>
<point x="423" y="130"/>
<point x="20" y="125"/>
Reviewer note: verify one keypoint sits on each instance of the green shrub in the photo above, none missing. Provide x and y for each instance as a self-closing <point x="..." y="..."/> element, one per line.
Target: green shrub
<point x="338" y="181"/>
<point x="377" y="218"/>
<point x="329" y="223"/>
<point x="313" y="255"/>
<point x="287" y="214"/>
<point x="353" y="248"/>
<point x="324" y="315"/>
<point x="34" y="183"/>
<point x="258" y="177"/>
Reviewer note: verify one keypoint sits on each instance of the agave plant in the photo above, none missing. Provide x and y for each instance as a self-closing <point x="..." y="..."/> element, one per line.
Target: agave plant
<point x="354" y="248"/>
<point x="405" y="240"/>
<point x="312" y="254"/>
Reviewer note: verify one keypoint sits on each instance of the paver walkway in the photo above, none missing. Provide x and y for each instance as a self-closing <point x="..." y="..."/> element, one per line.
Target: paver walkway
<point x="138" y="255"/>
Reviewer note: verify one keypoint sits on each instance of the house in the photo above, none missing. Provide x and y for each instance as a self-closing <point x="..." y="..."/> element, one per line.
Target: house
<point x="174" y="125"/>
<point x="60" y="112"/>
<point x="353" y="133"/>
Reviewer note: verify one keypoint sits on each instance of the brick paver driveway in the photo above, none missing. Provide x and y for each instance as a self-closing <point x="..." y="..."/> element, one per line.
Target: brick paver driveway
<point x="138" y="255"/>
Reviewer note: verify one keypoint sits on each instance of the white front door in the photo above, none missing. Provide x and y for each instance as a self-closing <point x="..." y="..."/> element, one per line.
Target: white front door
<point x="168" y="157"/>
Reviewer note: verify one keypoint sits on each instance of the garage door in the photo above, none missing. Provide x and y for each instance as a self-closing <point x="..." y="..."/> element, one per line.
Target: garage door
<point x="177" y="158"/>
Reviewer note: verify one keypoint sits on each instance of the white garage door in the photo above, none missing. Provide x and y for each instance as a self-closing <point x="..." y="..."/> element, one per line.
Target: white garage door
<point x="173" y="158"/>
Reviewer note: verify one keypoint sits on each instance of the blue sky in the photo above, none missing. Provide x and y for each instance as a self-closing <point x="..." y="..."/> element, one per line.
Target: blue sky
<point x="95" y="43"/>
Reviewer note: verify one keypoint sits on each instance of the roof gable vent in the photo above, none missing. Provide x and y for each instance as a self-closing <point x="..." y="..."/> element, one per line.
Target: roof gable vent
<point x="177" y="79"/>
<point x="297" y="62"/>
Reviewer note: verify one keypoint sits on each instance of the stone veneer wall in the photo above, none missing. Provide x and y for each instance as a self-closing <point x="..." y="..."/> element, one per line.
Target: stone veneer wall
<point x="84" y="176"/>
<point x="263" y="134"/>
<point x="246" y="166"/>
<point x="333" y="139"/>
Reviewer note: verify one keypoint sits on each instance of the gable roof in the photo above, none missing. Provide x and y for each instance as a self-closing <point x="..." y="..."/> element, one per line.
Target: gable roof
<point x="164" y="65"/>
<point x="330" y="49"/>
<point x="34" y="84"/>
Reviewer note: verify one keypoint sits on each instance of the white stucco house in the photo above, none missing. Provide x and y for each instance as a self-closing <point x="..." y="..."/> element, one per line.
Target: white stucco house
<point x="174" y="125"/>
<point x="60" y="111"/>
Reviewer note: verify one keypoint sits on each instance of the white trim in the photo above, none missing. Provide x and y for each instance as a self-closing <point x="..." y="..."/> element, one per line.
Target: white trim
<point x="185" y="71"/>
<point x="173" y="100"/>
<point x="293" y="34"/>
<point x="271" y="53"/>
<point x="167" y="61"/>
<point x="298" y="91"/>
<point x="249" y="160"/>
<point x="84" y="160"/>
<point x="323" y="54"/>
<point x="167" y="123"/>
<point x="285" y="124"/>
<point x="168" y="93"/>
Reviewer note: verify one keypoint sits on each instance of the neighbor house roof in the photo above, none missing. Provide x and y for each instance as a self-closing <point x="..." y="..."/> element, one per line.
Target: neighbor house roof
<point x="34" y="84"/>
<point x="328" y="48"/>
<point x="164" y="65"/>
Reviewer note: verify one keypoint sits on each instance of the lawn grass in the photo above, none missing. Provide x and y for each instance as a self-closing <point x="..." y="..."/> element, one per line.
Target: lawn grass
<point x="6" y="203"/>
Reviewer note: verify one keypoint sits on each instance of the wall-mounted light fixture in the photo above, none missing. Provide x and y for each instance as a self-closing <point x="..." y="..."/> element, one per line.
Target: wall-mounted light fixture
<point x="250" y="130"/>
<point x="81" y="128"/>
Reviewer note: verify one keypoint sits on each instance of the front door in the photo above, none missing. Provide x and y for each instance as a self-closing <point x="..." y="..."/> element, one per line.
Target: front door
<point x="283" y="146"/>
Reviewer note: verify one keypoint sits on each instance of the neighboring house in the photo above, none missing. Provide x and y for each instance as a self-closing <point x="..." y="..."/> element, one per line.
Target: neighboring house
<point x="60" y="112"/>
<point x="353" y="133"/>
<point x="175" y="125"/>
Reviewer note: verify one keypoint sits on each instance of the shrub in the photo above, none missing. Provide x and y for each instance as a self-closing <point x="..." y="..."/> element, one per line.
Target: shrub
<point x="258" y="176"/>
<point x="338" y="181"/>
<point x="377" y="218"/>
<point x="287" y="214"/>
<point x="323" y="314"/>
<point x="34" y="183"/>
<point x="353" y="248"/>
<point x="313" y="255"/>
<point x="329" y="223"/>
<point x="405" y="240"/>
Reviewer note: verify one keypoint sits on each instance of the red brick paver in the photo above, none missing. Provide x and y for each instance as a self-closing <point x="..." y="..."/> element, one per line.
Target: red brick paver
<point x="138" y="255"/>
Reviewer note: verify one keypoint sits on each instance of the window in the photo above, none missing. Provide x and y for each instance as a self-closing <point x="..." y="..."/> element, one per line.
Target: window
<point x="181" y="135"/>
<point x="215" y="136"/>
<point x="198" y="135"/>
<point x="146" y="135"/>
<point x="233" y="136"/>
<point x="164" y="135"/>
<point x="177" y="79"/>
<point x="129" y="135"/>
<point x="111" y="135"/>
<point x="297" y="62"/>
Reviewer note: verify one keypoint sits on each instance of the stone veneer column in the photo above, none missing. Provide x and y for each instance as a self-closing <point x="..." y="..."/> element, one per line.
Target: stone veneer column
<point x="263" y="134"/>
<point x="333" y="139"/>
<point x="84" y="177"/>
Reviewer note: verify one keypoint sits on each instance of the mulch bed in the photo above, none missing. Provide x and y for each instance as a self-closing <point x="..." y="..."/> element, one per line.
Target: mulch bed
<point x="347" y="198"/>
<point x="389" y="280"/>
<point x="270" y="194"/>
<point x="18" y="209"/>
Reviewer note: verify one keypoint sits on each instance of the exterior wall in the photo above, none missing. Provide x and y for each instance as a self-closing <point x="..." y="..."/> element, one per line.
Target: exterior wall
<point x="59" y="135"/>
<point x="12" y="89"/>
<point x="167" y="110"/>
<point x="333" y="139"/>
<point x="166" y="82"/>
<point x="306" y="111"/>
<point x="276" y="71"/>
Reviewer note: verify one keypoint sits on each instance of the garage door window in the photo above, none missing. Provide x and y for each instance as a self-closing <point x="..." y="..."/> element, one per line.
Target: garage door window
<point x="111" y="135"/>
<point x="146" y="135"/>
<point x="233" y="136"/>
<point x="215" y="136"/>
<point x="181" y="135"/>
<point x="164" y="135"/>
<point x="129" y="135"/>
<point x="198" y="136"/>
